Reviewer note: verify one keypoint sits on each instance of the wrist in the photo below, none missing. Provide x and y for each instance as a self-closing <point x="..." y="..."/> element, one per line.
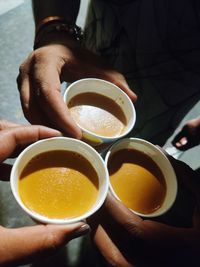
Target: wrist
<point x="56" y="26"/>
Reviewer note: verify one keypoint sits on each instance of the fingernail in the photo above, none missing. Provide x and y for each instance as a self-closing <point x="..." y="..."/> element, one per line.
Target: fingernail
<point x="63" y="134"/>
<point x="178" y="144"/>
<point x="183" y="141"/>
<point x="84" y="229"/>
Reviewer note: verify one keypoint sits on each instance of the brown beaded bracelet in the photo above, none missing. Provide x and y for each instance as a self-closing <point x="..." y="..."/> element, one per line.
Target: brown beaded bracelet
<point x="58" y="24"/>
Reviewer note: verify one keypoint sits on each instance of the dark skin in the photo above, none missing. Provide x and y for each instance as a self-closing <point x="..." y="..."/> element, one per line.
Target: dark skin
<point x="125" y="240"/>
<point x="59" y="58"/>
<point x="188" y="136"/>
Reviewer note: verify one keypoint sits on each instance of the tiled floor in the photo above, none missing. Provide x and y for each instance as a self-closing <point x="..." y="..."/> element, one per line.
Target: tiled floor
<point x="16" y="31"/>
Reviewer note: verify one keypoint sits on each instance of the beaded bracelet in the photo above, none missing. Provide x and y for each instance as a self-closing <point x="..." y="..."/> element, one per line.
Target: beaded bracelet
<point x="56" y="24"/>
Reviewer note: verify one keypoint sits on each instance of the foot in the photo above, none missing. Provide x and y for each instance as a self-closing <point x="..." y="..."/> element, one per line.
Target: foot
<point x="189" y="136"/>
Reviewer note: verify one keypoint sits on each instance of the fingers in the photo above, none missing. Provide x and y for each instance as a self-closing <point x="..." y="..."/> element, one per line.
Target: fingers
<point x="181" y="139"/>
<point x="23" y="245"/>
<point x="121" y="214"/>
<point x="146" y="231"/>
<point x="109" y="236"/>
<point x="189" y="136"/>
<point x="7" y="124"/>
<point x="39" y="86"/>
<point x="12" y="138"/>
<point x="126" y="240"/>
<point x="115" y="230"/>
<point x="46" y="82"/>
<point x="109" y="250"/>
<point x="94" y="66"/>
<point x="162" y="235"/>
<point x="159" y="234"/>
<point x="181" y="142"/>
<point x="125" y="87"/>
<point x="119" y="80"/>
<point x="31" y="107"/>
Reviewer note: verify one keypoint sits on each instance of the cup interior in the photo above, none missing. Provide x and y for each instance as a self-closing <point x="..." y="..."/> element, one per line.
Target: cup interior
<point x="68" y="144"/>
<point x="107" y="89"/>
<point x="160" y="159"/>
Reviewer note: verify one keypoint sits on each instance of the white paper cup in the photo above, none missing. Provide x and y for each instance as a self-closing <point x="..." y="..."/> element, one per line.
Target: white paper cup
<point x="105" y="88"/>
<point x="162" y="162"/>
<point x="66" y="144"/>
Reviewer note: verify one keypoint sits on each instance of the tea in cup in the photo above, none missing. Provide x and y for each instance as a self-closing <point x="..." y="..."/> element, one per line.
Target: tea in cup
<point x="59" y="180"/>
<point x="141" y="176"/>
<point x="101" y="109"/>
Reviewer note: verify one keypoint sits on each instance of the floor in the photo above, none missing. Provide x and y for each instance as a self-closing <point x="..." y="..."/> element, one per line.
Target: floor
<point x="16" y="31"/>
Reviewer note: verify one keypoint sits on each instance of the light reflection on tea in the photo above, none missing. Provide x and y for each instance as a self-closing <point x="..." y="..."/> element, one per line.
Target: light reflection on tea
<point x="98" y="114"/>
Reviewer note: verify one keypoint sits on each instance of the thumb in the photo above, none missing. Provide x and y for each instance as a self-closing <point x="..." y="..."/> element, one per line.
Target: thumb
<point x="148" y="231"/>
<point x="23" y="245"/>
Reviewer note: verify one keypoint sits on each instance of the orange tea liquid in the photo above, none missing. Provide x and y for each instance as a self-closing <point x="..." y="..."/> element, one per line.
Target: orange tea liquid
<point x="98" y="114"/>
<point x="137" y="180"/>
<point x="59" y="184"/>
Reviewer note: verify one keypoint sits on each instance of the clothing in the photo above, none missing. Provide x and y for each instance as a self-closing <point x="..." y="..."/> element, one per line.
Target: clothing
<point x="156" y="45"/>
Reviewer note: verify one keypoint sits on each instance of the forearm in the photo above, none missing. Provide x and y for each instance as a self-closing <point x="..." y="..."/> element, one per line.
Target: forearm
<point x="67" y="9"/>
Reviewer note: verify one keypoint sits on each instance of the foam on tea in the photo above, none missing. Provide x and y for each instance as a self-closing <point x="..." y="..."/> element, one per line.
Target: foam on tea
<point x="137" y="180"/>
<point x="59" y="184"/>
<point x="98" y="114"/>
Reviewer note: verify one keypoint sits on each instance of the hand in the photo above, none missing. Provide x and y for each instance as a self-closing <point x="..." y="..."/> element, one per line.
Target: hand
<point x="22" y="245"/>
<point x="124" y="239"/>
<point x="59" y="59"/>
<point x="189" y="136"/>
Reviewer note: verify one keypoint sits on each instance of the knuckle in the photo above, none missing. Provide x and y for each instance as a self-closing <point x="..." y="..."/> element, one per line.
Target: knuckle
<point x="46" y="90"/>
<point x="40" y="56"/>
<point x="25" y="106"/>
<point x="133" y="229"/>
<point x="51" y="240"/>
<point x="22" y="68"/>
<point x="3" y="124"/>
<point x="37" y="56"/>
<point x="45" y="56"/>
<point x="22" y="73"/>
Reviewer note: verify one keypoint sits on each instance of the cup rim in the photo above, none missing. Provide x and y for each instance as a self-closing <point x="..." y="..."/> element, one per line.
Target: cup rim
<point x="108" y="138"/>
<point x="42" y="218"/>
<point x="132" y="139"/>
